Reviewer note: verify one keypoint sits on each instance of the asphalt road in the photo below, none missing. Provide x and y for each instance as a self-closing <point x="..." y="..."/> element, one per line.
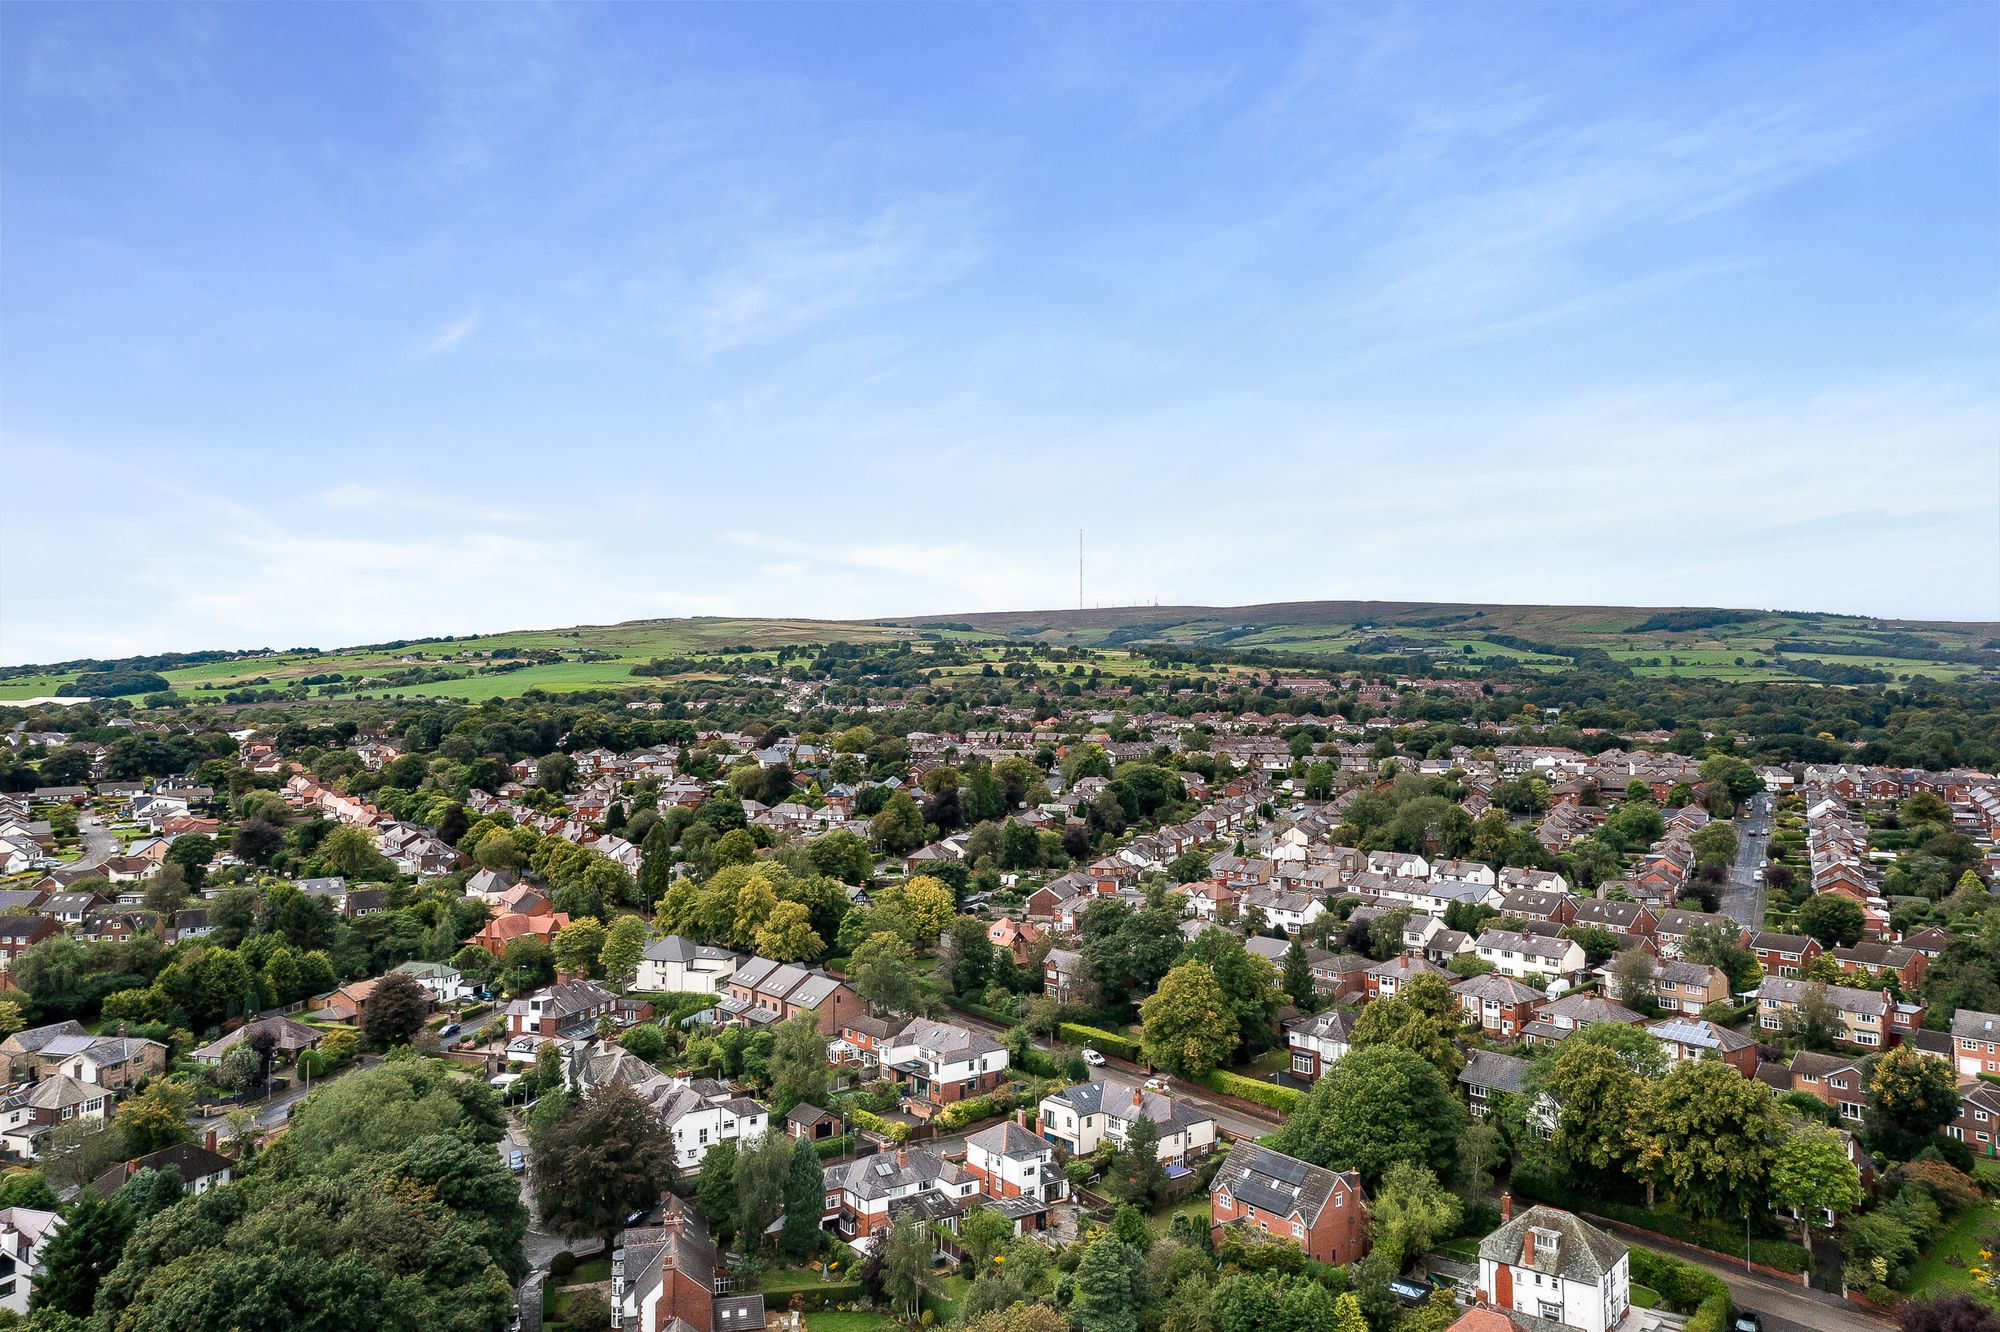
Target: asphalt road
<point x="1743" y="895"/>
<point x="1782" y="1306"/>
<point x="98" y="843"/>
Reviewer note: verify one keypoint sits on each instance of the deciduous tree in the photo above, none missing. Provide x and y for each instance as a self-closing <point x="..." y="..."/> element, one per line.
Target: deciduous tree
<point x="1187" y="1025"/>
<point x="610" y="1157"/>
<point x="1374" y="1108"/>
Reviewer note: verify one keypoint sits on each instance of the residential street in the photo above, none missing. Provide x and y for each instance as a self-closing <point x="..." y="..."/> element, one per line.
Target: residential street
<point x="273" y="1112"/>
<point x="1783" y="1307"/>
<point x="98" y="843"/>
<point x="1743" y="895"/>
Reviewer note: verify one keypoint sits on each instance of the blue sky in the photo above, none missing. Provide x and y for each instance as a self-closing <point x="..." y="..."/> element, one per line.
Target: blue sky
<point x="325" y="324"/>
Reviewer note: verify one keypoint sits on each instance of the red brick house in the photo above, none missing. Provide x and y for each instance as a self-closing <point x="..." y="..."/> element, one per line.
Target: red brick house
<point x="1784" y="955"/>
<point x="1322" y="1211"/>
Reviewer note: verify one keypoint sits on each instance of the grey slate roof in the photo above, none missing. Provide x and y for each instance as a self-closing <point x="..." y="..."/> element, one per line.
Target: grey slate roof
<point x="1583" y="1252"/>
<point x="1278" y="1184"/>
<point x="1494" y="1072"/>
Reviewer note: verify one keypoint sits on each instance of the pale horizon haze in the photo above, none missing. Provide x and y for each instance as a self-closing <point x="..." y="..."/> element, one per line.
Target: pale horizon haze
<point x="324" y="325"/>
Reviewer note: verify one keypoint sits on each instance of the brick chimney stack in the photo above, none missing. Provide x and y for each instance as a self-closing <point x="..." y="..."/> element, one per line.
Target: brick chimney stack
<point x="1528" y="1249"/>
<point x="1506" y="1206"/>
<point x="208" y="1140"/>
<point x="902" y="1157"/>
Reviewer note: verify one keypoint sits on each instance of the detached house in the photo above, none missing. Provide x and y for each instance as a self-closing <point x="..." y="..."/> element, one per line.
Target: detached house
<point x="1549" y="1265"/>
<point x="938" y="1063"/>
<point x="1975" y="1042"/>
<point x="1016" y="1170"/>
<point x="1318" y="1042"/>
<point x="1322" y="1211"/>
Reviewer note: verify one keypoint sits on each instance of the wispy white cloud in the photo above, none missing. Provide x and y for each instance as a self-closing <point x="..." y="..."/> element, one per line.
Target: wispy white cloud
<point x="447" y="338"/>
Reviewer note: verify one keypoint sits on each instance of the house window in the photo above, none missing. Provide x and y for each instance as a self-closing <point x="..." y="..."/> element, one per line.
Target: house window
<point x="1299" y="1227"/>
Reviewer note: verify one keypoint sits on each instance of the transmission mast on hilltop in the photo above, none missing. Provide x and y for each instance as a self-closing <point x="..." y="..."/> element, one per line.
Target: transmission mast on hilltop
<point x="1079" y="568"/>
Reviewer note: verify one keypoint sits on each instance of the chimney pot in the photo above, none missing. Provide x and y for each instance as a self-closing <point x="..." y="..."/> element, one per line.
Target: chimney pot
<point x="1506" y="1206"/>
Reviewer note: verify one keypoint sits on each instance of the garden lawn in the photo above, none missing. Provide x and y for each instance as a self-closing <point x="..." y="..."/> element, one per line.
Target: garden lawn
<point x="1935" y="1272"/>
<point x="1196" y="1207"/>
<point x="945" y="1294"/>
<point x="837" y="1321"/>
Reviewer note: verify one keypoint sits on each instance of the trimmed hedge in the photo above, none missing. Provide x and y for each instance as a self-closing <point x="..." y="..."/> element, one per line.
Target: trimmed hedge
<point x="1271" y="1096"/>
<point x="874" y="1123"/>
<point x="1104" y="1042"/>
<point x="828" y="1148"/>
<point x="995" y="1015"/>
<point x="820" y="1295"/>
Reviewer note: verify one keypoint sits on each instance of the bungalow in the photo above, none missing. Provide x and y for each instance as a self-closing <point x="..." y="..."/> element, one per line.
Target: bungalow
<point x="1322" y="1211"/>
<point x="1694" y="1038"/>
<point x="199" y="1168"/>
<point x="289" y="1038"/>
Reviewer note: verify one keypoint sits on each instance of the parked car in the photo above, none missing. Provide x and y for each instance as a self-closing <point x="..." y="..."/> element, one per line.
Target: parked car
<point x="1747" y="1322"/>
<point x="1092" y="1057"/>
<point x="517" y="1162"/>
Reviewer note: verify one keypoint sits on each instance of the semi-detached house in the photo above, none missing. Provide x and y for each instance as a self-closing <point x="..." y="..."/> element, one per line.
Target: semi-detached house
<point x="1080" y="1119"/>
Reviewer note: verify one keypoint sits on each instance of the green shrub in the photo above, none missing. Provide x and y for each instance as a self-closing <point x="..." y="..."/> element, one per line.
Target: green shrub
<point x="828" y="1148"/>
<point x="1267" y="1094"/>
<point x="1104" y="1042"/>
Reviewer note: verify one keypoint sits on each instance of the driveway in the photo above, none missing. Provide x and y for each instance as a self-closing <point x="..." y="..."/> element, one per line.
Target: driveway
<point x="1743" y="896"/>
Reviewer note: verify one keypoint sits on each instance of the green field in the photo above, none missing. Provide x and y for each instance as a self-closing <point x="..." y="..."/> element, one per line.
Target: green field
<point x="1441" y="631"/>
<point x="35" y="686"/>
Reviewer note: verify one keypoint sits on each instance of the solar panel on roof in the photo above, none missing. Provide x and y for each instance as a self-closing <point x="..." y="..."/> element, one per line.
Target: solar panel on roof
<point x="1283" y="1168"/>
